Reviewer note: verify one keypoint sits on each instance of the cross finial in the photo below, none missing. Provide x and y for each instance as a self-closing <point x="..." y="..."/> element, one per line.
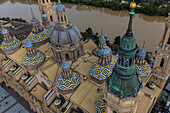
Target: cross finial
<point x="59" y="2"/>
<point x="101" y="31"/>
<point x="32" y="13"/>
<point x="143" y="44"/>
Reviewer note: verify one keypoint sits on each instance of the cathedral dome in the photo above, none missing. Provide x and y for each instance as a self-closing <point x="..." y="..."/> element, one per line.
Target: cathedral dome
<point x="101" y="38"/>
<point x="105" y="50"/>
<point x="10" y="45"/>
<point x="142" y="53"/>
<point x="60" y="8"/>
<point x="65" y="35"/>
<point x="33" y="60"/>
<point x="39" y="37"/>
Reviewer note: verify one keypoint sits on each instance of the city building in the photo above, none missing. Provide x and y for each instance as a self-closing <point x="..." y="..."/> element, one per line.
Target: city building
<point x="17" y="29"/>
<point x="59" y="72"/>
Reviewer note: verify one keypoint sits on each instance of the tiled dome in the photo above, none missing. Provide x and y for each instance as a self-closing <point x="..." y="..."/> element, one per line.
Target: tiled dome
<point x="68" y="83"/>
<point x="100" y="105"/>
<point x="143" y="70"/>
<point x="38" y="37"/>
<point x="102" y="72"/>
<point x="31" y="61"/>
<point x="65" y="35"/>
<point x="10" y="45"/>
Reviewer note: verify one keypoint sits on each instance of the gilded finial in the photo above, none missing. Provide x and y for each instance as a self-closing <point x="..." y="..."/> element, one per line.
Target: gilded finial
<point x="132" y="5"/>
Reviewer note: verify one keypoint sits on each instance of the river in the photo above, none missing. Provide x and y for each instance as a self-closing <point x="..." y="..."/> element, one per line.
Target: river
<point x="114" y="23"/>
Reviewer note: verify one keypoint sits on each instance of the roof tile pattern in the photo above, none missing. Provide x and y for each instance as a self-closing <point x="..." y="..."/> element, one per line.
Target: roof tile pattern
<point x="143" y="70"/>
<point x="68" y="83"/>
<point x="31" y="61"/>
<point x="102" y="72"/>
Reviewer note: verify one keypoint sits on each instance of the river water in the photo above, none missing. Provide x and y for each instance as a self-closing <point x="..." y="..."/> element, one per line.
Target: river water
<point x="114" y="23"/>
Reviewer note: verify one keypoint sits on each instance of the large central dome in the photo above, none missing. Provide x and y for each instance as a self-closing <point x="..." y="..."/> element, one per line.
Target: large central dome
<point x="65" y="40"/>
<point x="65" y="35"/>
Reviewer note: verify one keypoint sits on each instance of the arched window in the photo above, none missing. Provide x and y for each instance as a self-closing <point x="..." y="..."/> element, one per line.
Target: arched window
<point x="162" y="62"/>
<point x="61" y="18"/>
<point x="130" y="61"/>
<point x="51" y="17"/>
<point x="58" y="18"/>
<point x="43" y="1"/>
<point x="65" y="18"/>
<point x="67" y="56"/>
<point x="78" y="53"/>
<point x="47" y="0"/>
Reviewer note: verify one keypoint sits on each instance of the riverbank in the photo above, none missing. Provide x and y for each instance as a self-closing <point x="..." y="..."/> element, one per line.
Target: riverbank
<point x="152" y="9"/>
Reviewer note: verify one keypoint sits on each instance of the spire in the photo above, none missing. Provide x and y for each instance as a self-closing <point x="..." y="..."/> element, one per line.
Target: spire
<point x="101" y="37"/>
<point x="129" y="32"/>
<point x="32" y="13"/>
<point x="59" y="2"/>
<point x="142" y="52"/>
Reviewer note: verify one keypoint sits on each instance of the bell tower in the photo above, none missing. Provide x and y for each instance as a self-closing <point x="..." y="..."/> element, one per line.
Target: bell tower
<point x="161" y="67"/>
<point x="48" y="8"/>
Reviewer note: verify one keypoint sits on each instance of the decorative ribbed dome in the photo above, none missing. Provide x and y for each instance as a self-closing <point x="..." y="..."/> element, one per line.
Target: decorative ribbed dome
<point x="65" y="65"/>
<point x="143" y="70"/>
<point x="102" y="72"/>
<point x="32" y="61"/>
<point x="10" y="45"/>
<point x="105" y="50"/>
<point x="142" y="53"/>
<point x="68" y="83"/>
<point x="38" y="37"/>
<point x="60" y="7"/>
<point x="101" y="38"/>
<point x="65" y="35"/>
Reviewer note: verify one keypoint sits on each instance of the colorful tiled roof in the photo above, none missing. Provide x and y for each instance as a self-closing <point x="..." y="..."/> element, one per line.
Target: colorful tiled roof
<point x="30" y="61"/>
<point x="10" y="45"/>
<point x="30" y="80"/>
<point x="100" y="105"/>
<point x="105" y="50"/>
<point x="68" y="83"/>
<point x="102" y="72"/>
<point x="48" y="27"/>
<point x="96" y="51"/>
<point x="143" y="70"/>
<point x="49" y="94"/>
<point x="38" y="37"/>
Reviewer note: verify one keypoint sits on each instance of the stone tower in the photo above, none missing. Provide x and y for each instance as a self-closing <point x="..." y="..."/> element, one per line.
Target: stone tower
<point x="123" y="84"/>
<point x="48" y="8"/>
<point x="161" y="68"/>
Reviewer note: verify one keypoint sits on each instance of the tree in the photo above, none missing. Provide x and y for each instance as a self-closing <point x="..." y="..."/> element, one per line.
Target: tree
<point x="117" y="40"/>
